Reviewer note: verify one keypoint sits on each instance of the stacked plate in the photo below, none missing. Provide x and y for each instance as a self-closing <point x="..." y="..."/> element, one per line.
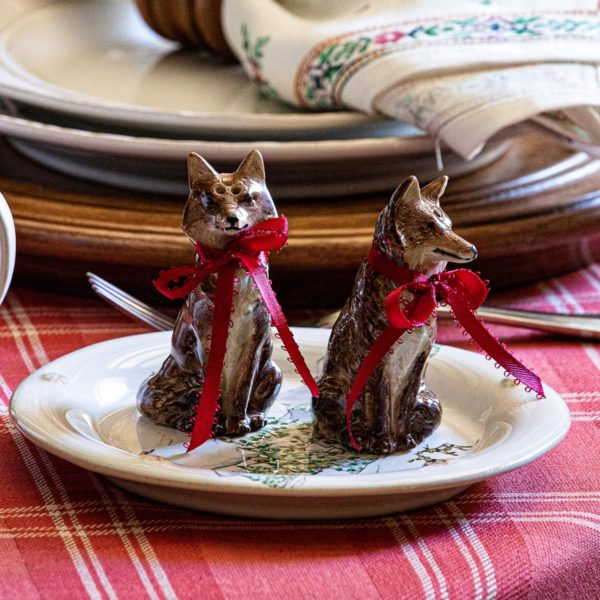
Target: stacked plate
<point x="87" y="89"/>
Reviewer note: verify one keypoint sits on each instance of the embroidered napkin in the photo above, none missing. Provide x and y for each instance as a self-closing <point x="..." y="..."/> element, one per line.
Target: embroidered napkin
<point x="461" y="71"/>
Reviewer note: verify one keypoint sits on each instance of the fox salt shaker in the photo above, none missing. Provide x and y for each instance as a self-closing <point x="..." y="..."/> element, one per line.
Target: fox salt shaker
<point x="395" y="410"/>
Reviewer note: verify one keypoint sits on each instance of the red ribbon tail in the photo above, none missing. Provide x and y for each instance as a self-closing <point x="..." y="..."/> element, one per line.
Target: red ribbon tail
<point x="166" y="278"/>
<point x="279" y="321"/>
<point x="475" y="328"/>
<point x="194" y="275"/>
<point x="211" y="390"/>
<point x="382" y="344"/>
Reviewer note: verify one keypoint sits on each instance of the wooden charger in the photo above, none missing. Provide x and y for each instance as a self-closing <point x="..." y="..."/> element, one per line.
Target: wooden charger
<point x="533" y="213"/>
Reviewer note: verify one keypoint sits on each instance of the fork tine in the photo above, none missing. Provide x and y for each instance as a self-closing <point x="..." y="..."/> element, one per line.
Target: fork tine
<point x="140" y="311"/>
<point x="128" y="304"/>
<point x="118" y="292"/>
<point x="131" y="310"/>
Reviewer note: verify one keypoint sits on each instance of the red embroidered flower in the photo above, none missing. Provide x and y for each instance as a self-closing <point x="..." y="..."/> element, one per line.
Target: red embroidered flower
<point x="388" y="37"/>
<point x="257" y="75"/>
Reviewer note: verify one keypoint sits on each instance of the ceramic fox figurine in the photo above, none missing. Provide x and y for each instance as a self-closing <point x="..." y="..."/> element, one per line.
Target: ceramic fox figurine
<point x="220" y="206"/>
<point x="395" y="410"/>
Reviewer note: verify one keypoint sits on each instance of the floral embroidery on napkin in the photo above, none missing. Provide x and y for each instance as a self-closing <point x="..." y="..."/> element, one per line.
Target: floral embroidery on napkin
<point x="329" y="65"/>
<point x="253" y="59"/>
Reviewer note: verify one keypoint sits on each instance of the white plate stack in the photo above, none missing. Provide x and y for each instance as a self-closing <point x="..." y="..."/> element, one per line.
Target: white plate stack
<point x="88" y="89"/>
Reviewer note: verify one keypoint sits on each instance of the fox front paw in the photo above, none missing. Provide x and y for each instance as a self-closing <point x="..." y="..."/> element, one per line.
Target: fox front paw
<point x="236" y="426"/>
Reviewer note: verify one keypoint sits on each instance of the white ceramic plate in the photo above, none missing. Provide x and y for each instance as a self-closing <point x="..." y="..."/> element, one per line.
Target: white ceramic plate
<point x="295" y="169"/>
<point x="82" y="408"/>
<point x="15" y="122"/>
<point x="99" y="60"/>
<point x="8" y="246"/>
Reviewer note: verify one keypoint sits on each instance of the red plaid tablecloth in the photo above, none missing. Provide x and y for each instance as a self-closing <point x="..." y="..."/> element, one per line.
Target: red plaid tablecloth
<point x="532" y="533"/>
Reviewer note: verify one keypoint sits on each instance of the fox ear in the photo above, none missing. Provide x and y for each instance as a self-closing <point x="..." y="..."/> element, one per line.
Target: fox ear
<point x="200" y="172"/>
<point x="435" y="189"/>
<point x="252" y="167"/>
<point x="407" y="193"/>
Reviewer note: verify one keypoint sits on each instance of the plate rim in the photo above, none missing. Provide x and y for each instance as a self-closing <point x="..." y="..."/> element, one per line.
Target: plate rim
<point x="8" y="245"/>
<point x="140" y="469"/>
<point x="281" y="152"/>
<point x="40" y="92"/>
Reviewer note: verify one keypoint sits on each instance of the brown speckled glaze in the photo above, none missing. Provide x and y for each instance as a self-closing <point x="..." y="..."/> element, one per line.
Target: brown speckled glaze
<point x="219" y="206"/>
<point x="395" y="410"/>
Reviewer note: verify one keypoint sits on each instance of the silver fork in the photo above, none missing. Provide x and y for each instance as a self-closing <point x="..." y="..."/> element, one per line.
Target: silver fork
<point x="584" y="326"/>
<point x="129" y="305"/>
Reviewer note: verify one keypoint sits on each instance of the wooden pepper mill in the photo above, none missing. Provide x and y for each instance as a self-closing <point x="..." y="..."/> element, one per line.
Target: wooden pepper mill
<point x="191" y="22"/>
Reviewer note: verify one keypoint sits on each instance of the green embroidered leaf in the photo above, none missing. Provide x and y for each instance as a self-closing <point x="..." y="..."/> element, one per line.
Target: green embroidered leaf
<point x="261" y="42"/>
<point x="464" y="23"/>
<point x="245" y="38"/>
<point x="324" y="57"/>
<point x="332" y="71"/>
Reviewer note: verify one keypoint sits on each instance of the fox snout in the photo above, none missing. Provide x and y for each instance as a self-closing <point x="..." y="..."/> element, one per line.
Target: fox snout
<point x="233" y="219"/>
<point x="456" y="249"/>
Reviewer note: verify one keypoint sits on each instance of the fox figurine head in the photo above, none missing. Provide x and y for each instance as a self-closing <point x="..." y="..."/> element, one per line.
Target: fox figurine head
<point x="413" y="231"/>
<point x="221" y="205"/>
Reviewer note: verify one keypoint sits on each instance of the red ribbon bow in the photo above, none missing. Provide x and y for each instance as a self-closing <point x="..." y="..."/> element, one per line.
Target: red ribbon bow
<point x="246" y="250"/>
<point x="463" y="290"/>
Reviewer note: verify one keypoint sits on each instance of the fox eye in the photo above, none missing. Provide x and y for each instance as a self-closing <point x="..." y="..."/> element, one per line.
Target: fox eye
<point x="247" y="200"/>
<point x="431" y="227"/>
<point x="236" y="189"/>
<point x="209" y="202"/>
